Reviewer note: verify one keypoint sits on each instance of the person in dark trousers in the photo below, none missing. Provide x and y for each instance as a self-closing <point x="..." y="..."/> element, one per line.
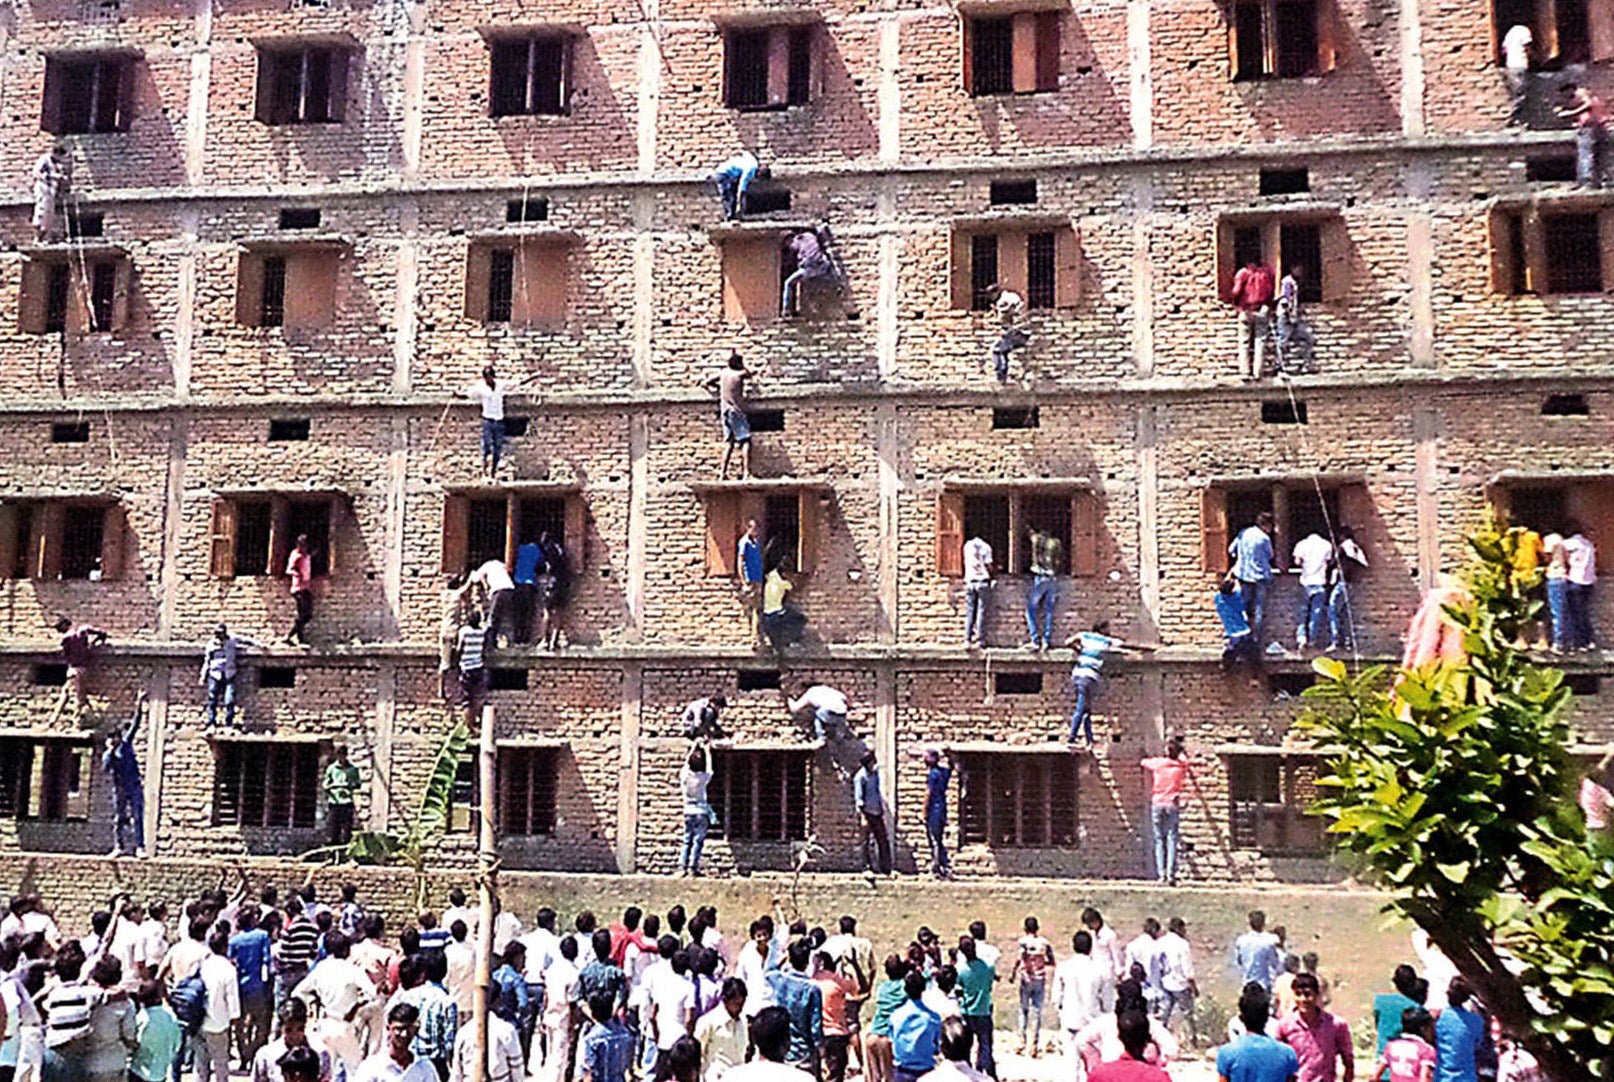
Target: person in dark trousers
<point x="554" y="588"/>
<point x="129" y="800"/>
<point x="1010" y="310"/>
<point x="733" y="180"/>
<point x="1591" y="133"/>
<point x="220" y="663"/>
<point x="870" y="804"/>
<point x="340" y="782"/>
<point x="300" y="571"/>
<point x="937" y="778"/>
<point x="814" y="250"/>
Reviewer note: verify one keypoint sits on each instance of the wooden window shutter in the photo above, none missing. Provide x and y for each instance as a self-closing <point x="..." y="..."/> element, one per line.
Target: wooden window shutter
<point x="280" y="543"/>
<point x="1504" y="273"/>
<point x="963" y="291"/>
<point x="222" y="564"/>
<point x="576" y="541"/>
<point x="9" y="541"/>
<point x="1084" y="514"/>
<point x="751" y="280"/>
<point x="311" y="278"/>
<point x="1600" y="25"/>
<point x="249" y="287"/>
<point x="809" y="526"/>
<point x="46" y="542"/>
<point x="1605" y="236"/>
<point x="50" y="113"/>
<point x="122" y="281"/>
<point x="35" y="296"/>
<point x="778" y="65"/>
<point x="1067" y="268"/>
<point x="456" y="533"/>
<point x="722" y="532"/>
<point x="341" y="65"/>
<point x="1336" y="270"/>
<point x="538" y="297"/>
<point x="950" y="534"/>
<point x="334" y="515"/>
<point x="1012" y="262"/>
<point x="1233" y="69"/>
<point x="1023" y="26"/>
<point x="112" y="538"/>
<point x="1049" y="24"/>
<point x="512" y="524"/>
<point x="1213" y="539"/>
<point x="966" y="38"/>
<point x="1328" y="36"/>
<point x="1501" y="500"/>
<point x="1225" y="268"/>
<point x="478" y="263"/>
<point x="127" y="69"/>
<point x="1546" y="30"/>
<point x="78" y="299"/>
<point x="264" y="107"/>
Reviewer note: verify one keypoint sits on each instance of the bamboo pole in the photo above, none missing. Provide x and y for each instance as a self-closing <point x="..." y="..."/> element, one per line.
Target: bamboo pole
<point x="487" y="863"/>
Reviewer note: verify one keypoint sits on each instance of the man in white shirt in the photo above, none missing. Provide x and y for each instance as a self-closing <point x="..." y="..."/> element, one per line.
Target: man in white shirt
<point x="459" y="909"/>
<point x="461" y="958"/>
<point x="27" y="917"/>
<point x="155" y="930"/>
<point x="1010" y="309"/>
<point x="543" y="948"/>
<point x="977" y="589"/>
<point x="1177" y="985"/>
<point x="1084" y="988"/>
<point x="1516" y="70"/>
<point x="1581" y="556"/>
<point x="495" y="582"/>
<point x="1312" y="556"/>
<point x="671" y="1004"/>
<point x="504" y="1048"/>
<point x="293" y="1016"/>
<point x="490" y="392"/>
<point x="398" y="1062"/>
<point x="829" y="710"/>
<point x="340" y="989"/>
<point x="770" y="1036"/>
<point x="223" y="1008"/>
<point x="939" y="995"/>
<point x="723" y="1034"/>
<point x="1145" y="951"/>
<point x="984" y="950"/>
<point x="129" y="944"/>
<point x="560" y="989"/>
<point x="1106" y="944"/>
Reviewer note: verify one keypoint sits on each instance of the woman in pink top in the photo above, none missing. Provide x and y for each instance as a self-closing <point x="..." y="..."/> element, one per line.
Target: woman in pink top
<point x="1168" y="777"/>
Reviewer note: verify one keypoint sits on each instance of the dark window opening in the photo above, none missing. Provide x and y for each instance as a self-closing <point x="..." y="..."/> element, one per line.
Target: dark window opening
<point x="538" y="515"/>
<point x="529" y="77"/>
<point x="1574" y="253"/>
<point x="781" y="530"/>
<point x="1584" y="683"/>
<point x="1268" y="800"/>
<point x="1015" y="417"/>
<point x="289" y="428"/>
<point x="1566" y="405"/>
<point x="1040" y="270"/>
<point x="1049" y="515"/>
<point x="1248" y="246"/>
<point x="766" y="420"/>
<point x="277" y="676"/>
<point x="22" y="566"/>
<point x="1294" y="33"/>
<point x="300" y="218"/>
<point x="1518" y="279"/>
<point x="501" y="284"/>
<point x="48" y="674"/>
<point x="766" y="199"/>
<point x="1017" y="800"/>
<point x="311" y="517"/>
<point x="508" y="679"/>
<point x="103" y="294"/>
<point x="263" y="783"/>
<point x="526" y="210"/>
<point x="983" y="270"/>
<point x="487" y="522"/>
<point x="1557" y="168"/>
<point x="82" y="530"/>
<point x="1006" y="192"/>
<point x="89" y="94"/>
<point x="45" y="779"/>
<point x="1017" y="683"/>
<point x="86" y="223"/>
<point x="464" y="795"/>
<point x="252" y="527"/>
<point x="515" y="427"/>
<point x="1309" y="515"/>
<point x="761" y="796"/>
<point x="1289" y="684"/>
<point x="1285" y="181"/>
<point x="987" y="517"/>
<point x="272" y="299"/>
<point x="527" y="791"/>
<point x="57" y="290"/>
<point x="757" y="679"/>
<point x="70" y="432"/>
<point x="1250" y="53"/>
<point x="1541" y="509"/>
<point x="1275" y="38"/>
<point x="302" y="86"/>
<point x="1244" y="506"/>
<point x="992" y="56"/>
<point x="1301" y="245"/>
<point x="799" y="66"/>
<point x="746" y="60"/>
<point x="1284" y="411"/>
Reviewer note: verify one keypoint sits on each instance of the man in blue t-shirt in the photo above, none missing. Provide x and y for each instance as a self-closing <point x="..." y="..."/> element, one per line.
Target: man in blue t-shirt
<point x="749" y="564"/>
<point x="249" y="952"/>
<point x="1459" y="1032"/>
<point x="937" y="779"/>
<point x="529" y="561"/>
<point x="1091" y="648"/>
<point x="1255" y="1057"/>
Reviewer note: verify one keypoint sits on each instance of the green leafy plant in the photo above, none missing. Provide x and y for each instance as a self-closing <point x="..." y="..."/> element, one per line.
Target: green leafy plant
<point x="1454" y="789"/>
<point x="414" y="847"/>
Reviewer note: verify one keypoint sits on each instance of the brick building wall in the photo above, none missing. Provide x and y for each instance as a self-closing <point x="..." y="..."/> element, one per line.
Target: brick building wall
<point x="1430" y="384"/>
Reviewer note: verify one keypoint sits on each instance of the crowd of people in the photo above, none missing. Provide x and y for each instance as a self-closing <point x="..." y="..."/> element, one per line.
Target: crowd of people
<point x="289" y="988"/>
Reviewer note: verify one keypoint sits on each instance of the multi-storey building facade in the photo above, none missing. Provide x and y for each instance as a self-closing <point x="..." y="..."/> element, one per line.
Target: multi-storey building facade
<point x="302" y="228"/>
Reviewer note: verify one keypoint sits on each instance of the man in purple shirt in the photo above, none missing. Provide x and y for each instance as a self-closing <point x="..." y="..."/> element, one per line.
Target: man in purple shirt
<point x="1320" y="1040"/>
<point x="815" y="258"/>
<point x="78" y="650"/>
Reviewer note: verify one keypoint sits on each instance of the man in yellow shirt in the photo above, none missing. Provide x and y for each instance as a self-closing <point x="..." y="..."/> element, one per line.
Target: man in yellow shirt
<point x="781" y="624"/>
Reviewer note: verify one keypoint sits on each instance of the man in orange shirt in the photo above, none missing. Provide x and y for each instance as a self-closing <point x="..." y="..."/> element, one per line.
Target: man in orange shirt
<point x="837" y="1036"/>
<point x="1169" y="776"/>
<point x="1252" y="295"/>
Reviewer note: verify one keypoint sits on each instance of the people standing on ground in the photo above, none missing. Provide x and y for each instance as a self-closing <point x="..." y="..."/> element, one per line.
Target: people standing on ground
<point x="977" y="589"/>
<point x="1031" y="965"/>
<point x="956" y="1041"/>
<point x="400" y="1062"/>
<point x="1516" y="45"/>
<point x="80" y="644"/>
<point x="1169" y="777"/>
<point x="1251" y="295"/>
<point x="693" y="778"/>
<point x="606" y="1054"/>
<point x="1041" y="599"/>
<point x="1084" y="989"/>
<point x="1091" y="648"/>
<point x="1591" y="133"/>
<point x="836" y="991"/>
<point x="1459" y="1034"/>
<point x="220" y="661"/>
<point x="1251" y="552"/>
<point x="122" y="764"/>
<point x="1145" y="963"/>
<point x="158" y="1036"/>
<point x="938" y="776"/>
<point x="793" y="990"/>
<point x="340" y="783"/>
<point x="748" y="562"/>
<point x="1178" y="986"/>
<point x="249" y="951"/>
<point x="300" y="583"/>
<point x="1411" y="1056"/>
<point x="1100" y="1042"/>
<point x="975" y="979"/>
<point x="869" y="802"/>
<point x="1009" y="308"/>
<point x="1256" y="955"/>
<point x="341" y="990"/>
<point x="505" y="1062"/>
<point x="829" y="710"/>
<point x="730" y="385"/>
<point x="1321" y="1042"/>
<point x="1388" y="1007"/>
<point x="212" y="1044"/>
<point x="915" y="1033"/>
<point x="560" y="1013"/>
<point x="1256" y="1057"/>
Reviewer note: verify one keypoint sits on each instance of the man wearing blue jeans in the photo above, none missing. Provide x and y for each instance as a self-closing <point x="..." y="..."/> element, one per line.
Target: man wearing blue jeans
<point x="1314" y="557"/>
<point x="1349" y="563"/>
<point x="1251" y="551"/>
<point x="1045" y="557"/>
<point x="1091" y="647"/>
<point x="490" y="392"/>
<point x="937" y="778"/>
<point x="1168" y="778"/>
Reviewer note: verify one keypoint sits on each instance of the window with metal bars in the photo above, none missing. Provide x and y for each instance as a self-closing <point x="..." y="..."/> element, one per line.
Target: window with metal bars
<point x="1268" y="800"/>
<point x="303" y="85"/>
<point x="1040" y="270"/>
<point x="1017" y="800"/>
<point x="501" y="284"/>
<point x="983" y="270"/>
<point x="1574" y="253"/>
<point x="265" y="783"/>
<point x="751" y="81"/>
<point x="58" y="289"/>
<point x="83" y="528"/>
<point x="1277" y="38"/>
<point x="745" y="58"/>
<point x="987" y="517"/>
<point x="272" y="298"/>
<point x="529" y="76"/>
<point x="992" y="56"/>
<point x="781" y="525"/>
<point x="527" y="790"/>
<point x="86" y="94"/>
<point x="45" y="779"/>
<point x="762" y="796"/>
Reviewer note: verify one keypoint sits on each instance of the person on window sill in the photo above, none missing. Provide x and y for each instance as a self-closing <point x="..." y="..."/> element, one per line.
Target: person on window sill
<point x="79" y="647"/>
<point x="733" y="179"/>
<point x="1010" y="309"/>
<point x="782" y="624"/>
<point x="1591" y="133"/>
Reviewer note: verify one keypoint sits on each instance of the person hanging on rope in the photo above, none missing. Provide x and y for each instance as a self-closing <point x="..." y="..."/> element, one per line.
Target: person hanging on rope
<point x="53" y="184"/>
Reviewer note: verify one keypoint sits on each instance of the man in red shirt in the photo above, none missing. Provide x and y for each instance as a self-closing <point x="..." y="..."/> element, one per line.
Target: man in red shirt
<point x="1591" y="134"/>
<point x="1168" y="778"/>
<point x="1321" y="1041"/>
<point x="78" y="650"/>
<point x="1132" y="1027"/>
<point x="300" y="567"/>
<point x="1252" y="295"/>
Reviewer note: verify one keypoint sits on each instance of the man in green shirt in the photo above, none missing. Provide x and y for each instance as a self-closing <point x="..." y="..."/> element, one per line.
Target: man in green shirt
<point x="160" y="1036"/>
<point x="975" y="979"/>
<point x="341" y="778"/>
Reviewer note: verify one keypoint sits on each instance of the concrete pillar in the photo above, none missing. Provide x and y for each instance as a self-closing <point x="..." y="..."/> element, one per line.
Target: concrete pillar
<point x="1141" y="104"/>
<point x="650" y="69"/>
<point x="196" y="105"/>
<point x="1426" y="463"/>
<point x="1412" y="74"/>
<point x="173" y="515"/>
<point x="1142" y="277"/>
<point x="638" y="528"/>
<point x="885" y="743"/>
<point x="156" y="739"/>
<point x="627" y="794"/>
<point x="185" y="309"/>
<point x="406" y="316"/>
<point x="386" y="711"/>
<point x="1421" y="265"/>
<point x="414" y="89"/>
<point x="644" y="286"/>
<point x="1149" y="514"/>
<point x="886" y="329"/>
<point x="889" y="95"/>
<point x="890" y="458"/>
